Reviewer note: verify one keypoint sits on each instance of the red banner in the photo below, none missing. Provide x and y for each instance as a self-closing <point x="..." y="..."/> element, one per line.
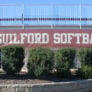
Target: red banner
<point x="53" y="38"/>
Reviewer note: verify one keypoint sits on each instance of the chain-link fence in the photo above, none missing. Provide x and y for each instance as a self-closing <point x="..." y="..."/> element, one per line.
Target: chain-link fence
<point x="45" y="15"/>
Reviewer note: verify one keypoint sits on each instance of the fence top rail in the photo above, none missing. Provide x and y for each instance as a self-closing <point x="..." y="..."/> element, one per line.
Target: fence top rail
<point x="46" y="4"/>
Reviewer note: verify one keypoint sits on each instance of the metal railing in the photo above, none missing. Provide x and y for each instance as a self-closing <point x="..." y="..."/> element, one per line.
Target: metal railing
<point x="65" y="14"/>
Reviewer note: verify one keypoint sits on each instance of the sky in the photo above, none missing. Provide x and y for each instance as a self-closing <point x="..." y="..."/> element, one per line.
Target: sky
<point x="45" y="1"/>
